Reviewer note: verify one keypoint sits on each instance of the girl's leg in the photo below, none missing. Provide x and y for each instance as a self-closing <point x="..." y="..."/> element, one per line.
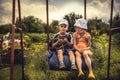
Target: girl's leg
<point x="88" y="63"/>
<point x="79" y="63"/>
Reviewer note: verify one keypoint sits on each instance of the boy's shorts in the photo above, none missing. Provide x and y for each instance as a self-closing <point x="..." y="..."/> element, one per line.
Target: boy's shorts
<point x="66" y="49"/>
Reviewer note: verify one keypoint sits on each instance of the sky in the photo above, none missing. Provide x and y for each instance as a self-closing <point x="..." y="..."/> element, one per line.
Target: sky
<point x="58" y="8"/>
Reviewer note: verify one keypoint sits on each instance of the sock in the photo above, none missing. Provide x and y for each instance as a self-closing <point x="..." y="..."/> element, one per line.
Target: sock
<point x="73" y="63"/>
<point x="61" y="62"/>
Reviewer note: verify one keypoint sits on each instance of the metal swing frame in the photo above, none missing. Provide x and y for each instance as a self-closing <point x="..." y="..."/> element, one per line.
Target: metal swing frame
<point x="47" y="20"/>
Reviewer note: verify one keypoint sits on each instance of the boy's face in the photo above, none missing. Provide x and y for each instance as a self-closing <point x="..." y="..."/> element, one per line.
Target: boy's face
<point x="63" y="28"/>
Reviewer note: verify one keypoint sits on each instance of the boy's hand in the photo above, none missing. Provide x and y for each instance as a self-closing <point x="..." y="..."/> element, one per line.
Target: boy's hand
<point x="60" y="41"/>
<point x="65" y="40"/>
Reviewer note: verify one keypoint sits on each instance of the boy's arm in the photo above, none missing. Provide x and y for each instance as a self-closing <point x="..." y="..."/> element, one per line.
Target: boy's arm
<point x="55" y="43"/>
<point x="69" y="42"/>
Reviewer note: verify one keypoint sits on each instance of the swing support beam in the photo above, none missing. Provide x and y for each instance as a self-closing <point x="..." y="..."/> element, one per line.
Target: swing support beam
<point x="21" y="39"/>
<point x="110" y="32"/>
<point x="47" y="27"/>
<point x="47" y="19"/>
<point x="13" y="38"/>
<point x="84" y="9"/>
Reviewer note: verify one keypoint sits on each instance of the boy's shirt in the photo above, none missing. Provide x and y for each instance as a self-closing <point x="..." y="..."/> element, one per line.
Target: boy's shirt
<point x="65" y="45"/>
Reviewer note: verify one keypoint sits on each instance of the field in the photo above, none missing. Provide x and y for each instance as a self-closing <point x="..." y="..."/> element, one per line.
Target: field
<point x="36" y="67"/>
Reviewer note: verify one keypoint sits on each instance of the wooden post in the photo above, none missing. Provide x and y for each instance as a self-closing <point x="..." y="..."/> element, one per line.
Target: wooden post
<point x="109" y="49"/>
<point x="21" y="39"/>
<point x="13" y="36"/>
<point x="84" y="9"/>
<point x="47" y="14"/>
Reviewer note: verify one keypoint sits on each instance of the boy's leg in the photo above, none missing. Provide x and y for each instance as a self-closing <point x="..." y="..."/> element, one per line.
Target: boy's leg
<point x="72" y="59"/>
<point x="79" y="63"/>
<point x="88" y="63"/>
<point x="60" y="58"/>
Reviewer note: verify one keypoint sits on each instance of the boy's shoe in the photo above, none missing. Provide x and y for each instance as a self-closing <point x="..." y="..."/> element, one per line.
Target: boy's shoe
<point x="91" y="75"/>
<point x="73" y="67"/>
<point x="62" y="66"/>
<point x="80" y="74"/>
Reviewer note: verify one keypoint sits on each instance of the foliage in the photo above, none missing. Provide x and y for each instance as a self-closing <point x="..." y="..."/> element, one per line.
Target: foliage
<point x="116" y="23"/>
<point x="5" y="28"/>
<point x="6" y="73"/>
<point x="116" y="39"/>
<point x="31" y="24"/>
<point x="96" y="27"/>
<point x="100" y="42"/>
<point x="54" y="26"/>
<point x="36" y="66"/>
<point x="71" y="17"/>
<point x="39" y="65"/>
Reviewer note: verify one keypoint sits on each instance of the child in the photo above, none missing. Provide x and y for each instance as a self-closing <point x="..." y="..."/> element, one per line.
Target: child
<point x="82" y="44"/>
<point x="63" y="43"/>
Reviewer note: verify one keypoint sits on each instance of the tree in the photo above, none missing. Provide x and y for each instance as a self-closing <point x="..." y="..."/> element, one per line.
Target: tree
<point x="116" y="23"/>
<point x="97" y="27"/>
<point x="71" y="17"/>
<point x="32" y="25"/>
<point x="54" y="26"/>
<point x="5" y="28"/>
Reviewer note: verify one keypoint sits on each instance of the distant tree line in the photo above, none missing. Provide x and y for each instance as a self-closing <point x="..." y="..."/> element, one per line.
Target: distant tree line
<point x="32" y="24"/>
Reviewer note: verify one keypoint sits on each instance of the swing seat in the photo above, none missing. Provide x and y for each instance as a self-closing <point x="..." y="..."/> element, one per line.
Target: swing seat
<point x="54" y="63"/>
<point x="6" y="59"/>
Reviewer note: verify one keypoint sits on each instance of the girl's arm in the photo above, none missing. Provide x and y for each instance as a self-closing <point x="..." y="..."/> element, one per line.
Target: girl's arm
<point x="89" y="42"/>
<point x="74" y="43"/>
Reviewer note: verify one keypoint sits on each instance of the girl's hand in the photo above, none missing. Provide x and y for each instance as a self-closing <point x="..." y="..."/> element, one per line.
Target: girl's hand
<point x="80" y="51"/>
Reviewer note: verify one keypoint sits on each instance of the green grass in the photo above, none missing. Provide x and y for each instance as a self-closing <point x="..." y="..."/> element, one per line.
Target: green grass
<point x="36" y="67"/>
<point x="5" y="73"/>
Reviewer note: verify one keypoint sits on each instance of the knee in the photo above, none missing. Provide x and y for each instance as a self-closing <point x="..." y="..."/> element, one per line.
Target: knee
<point x="77" y="54"/>
<point x="71" y="53"/>
<point x="85" y="53"/>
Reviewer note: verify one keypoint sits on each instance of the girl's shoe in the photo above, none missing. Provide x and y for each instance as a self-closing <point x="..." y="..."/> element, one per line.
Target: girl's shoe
<point x="91" y="75"/>
<point x="81" y="74"/>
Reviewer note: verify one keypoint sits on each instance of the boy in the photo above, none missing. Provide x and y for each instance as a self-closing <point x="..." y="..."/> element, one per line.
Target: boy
<point x="82" y="44"/>
<point x="63" y="43"/>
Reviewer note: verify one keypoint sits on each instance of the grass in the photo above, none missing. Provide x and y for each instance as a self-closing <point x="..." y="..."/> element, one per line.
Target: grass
<point x="5" y="72"/>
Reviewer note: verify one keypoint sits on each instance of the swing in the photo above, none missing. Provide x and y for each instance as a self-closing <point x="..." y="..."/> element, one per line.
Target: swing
<point x="53" y="61"/>
<point x="5" y="58"/>
<point x="52" y="58"/>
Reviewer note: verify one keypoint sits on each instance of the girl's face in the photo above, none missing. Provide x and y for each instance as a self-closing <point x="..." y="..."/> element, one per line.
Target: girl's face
<point x="63" y="28"/>
<point x="79" y="30"/>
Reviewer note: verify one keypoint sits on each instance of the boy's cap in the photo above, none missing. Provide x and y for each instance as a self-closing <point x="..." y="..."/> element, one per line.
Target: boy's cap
<point x="82" y="23"/>
<point x="63" y="21"/>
